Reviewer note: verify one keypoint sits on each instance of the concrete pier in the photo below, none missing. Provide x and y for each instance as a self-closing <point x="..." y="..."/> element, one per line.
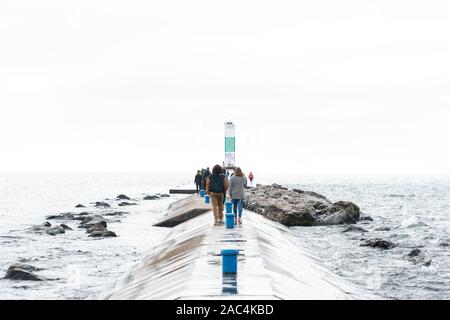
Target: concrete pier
<point x="184" y="210"/>
<point x="271" y="264"/>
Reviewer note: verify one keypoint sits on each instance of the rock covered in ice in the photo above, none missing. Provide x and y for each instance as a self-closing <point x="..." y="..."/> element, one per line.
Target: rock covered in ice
<point x="299" y="208"/>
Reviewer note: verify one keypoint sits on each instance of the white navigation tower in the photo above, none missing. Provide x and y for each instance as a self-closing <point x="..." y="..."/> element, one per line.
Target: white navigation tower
<point x="230" y="145"/>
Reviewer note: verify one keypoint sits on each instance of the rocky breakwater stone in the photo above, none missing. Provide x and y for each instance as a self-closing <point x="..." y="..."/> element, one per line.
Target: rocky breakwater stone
<point x="65" y="227"/>
<point x="96" y="226"/>
<point x="61" y="216"/>
<point x="347" y="206"/>
<point x="103" y="234"/>
<point x="101" y="204"/>
<point x="47" y="228"/>
<point x="299" y="208"/>
<point x="353" y="228"/>
<point x="115" y="213"/>
<point x="99" y="226"/>
<point x="163" y="195"/>
<point x="151" y="197"/>
<point x="125" y="204"/>
<point x="416" y="256"/>
<point x="90" y="221"/>
<point x="22" y="272"/>
<point x="80" y="216"/>
<point x="379" y="243"/>
<point x="53" y="231"/>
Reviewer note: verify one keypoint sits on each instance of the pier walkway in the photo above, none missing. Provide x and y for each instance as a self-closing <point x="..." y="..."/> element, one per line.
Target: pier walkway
<point x="271" y="264"/>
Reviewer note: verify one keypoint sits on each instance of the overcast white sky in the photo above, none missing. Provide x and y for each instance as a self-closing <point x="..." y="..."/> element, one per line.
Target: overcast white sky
<point x="145" y="86"/>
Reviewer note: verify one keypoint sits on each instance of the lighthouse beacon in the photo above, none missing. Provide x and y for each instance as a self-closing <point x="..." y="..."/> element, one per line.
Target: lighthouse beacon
<point x="230" y="145"/>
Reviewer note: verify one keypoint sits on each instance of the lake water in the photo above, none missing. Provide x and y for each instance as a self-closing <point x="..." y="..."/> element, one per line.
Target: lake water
<point x="415" y="210"/>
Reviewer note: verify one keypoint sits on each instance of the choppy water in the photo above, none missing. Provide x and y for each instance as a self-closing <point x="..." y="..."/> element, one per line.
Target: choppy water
<point x="417" y="211"/>
<point x="82" y="266"/>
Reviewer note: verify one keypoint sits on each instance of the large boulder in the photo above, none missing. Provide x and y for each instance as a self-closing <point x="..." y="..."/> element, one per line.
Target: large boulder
<point x="299" y="215"/>
<point x="122" y="197"/>
<point x="297" y="207"/>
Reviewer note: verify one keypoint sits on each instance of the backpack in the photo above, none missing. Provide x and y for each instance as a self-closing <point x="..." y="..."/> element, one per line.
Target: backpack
<point x="216" y="183"/>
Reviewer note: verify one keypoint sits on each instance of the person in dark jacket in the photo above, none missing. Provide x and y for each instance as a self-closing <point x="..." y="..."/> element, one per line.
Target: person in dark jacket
<point x="216" y="186"/>
<point x="227" y="174"/>
<point x="198" y="180"/>
<point x="205" y="176"/>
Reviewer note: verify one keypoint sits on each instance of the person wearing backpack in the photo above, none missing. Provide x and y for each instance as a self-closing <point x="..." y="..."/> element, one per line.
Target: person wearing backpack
<point x="216" y="186"/>
<point x="236" y="190"/>
<point x="205" y="176"/>
<point x="198" y="180"/>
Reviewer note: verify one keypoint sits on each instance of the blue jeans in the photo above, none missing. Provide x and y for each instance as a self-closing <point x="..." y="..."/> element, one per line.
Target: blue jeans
<point x="237" y="207"/>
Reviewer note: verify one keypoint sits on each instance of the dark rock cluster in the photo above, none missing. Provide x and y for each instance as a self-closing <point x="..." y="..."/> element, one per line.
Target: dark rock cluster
<point x="298" y="207"/>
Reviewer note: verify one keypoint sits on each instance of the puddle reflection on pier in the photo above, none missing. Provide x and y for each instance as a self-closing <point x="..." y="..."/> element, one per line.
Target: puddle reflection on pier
<point x="229" y="284"/>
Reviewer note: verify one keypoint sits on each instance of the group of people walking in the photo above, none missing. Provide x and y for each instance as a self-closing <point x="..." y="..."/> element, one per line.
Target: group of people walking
<point x="217" y="184"/>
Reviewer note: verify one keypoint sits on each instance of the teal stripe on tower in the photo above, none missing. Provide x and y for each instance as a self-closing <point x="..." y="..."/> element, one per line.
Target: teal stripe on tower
<point x="230" y="145"/>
